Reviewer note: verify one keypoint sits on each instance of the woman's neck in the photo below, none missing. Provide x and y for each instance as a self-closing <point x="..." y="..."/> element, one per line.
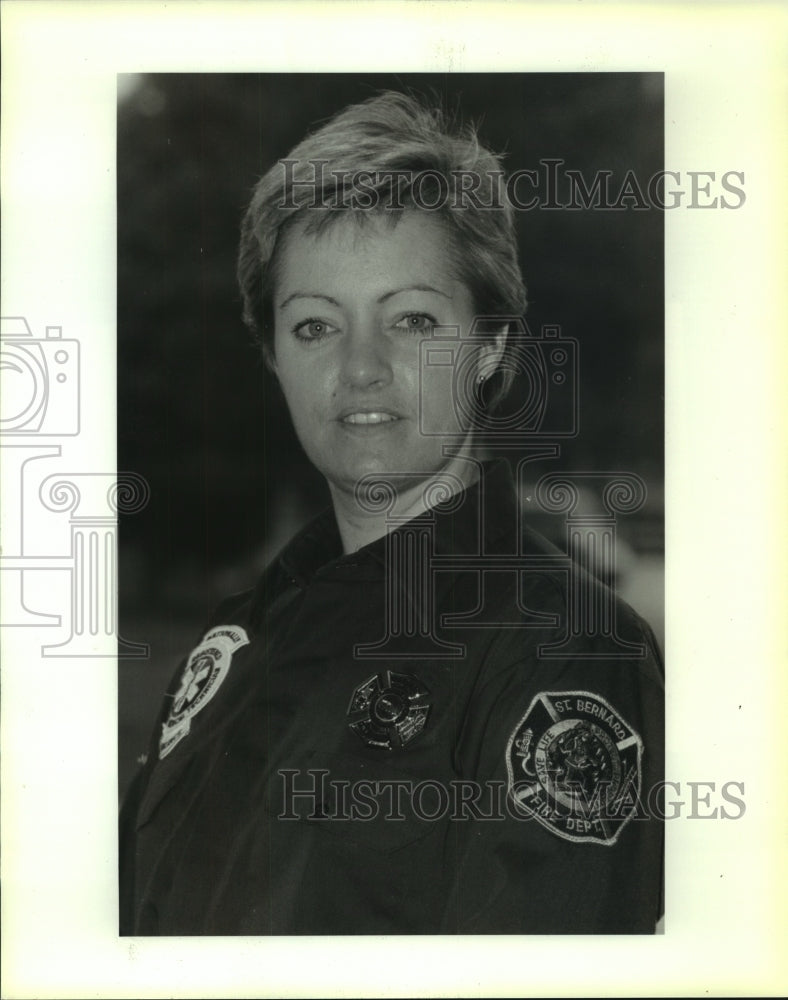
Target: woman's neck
<point x="373" y="511"/>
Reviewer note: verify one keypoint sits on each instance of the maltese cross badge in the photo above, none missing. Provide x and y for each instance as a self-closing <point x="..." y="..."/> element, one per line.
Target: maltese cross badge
<point x="389" y="710"/>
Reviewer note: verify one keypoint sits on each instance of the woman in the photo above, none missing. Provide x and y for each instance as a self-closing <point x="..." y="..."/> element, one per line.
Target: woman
<point x="402" y="728"/>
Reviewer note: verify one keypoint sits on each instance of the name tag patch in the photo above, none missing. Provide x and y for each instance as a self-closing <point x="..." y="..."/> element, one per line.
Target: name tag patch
<point x="574" y="766"/>
<point x="205" y="670"/>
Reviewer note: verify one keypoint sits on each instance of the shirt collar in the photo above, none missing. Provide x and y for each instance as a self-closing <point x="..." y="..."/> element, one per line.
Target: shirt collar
<point x="471" y="522"/>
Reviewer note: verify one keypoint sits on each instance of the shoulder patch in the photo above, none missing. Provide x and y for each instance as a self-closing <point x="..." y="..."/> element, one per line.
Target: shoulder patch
<point x="205" y="670"/>
<point x="574" y="765"/>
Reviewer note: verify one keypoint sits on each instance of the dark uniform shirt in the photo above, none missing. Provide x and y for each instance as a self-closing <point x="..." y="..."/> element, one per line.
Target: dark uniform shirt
<point x="426" y="736"/>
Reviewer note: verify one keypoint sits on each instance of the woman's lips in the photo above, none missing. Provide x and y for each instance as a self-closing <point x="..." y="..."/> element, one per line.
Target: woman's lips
<point x="368" y="417"/>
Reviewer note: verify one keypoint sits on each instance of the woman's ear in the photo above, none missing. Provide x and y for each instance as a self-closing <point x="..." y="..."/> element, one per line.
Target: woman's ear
<point x="491" y="352"/>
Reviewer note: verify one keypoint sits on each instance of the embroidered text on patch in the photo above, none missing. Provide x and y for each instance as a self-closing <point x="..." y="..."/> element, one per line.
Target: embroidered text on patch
<point x="204" y="672"/>
<point x="574" y="766"/>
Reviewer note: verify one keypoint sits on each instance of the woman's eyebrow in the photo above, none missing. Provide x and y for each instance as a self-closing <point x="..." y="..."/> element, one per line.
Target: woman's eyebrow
<point x="308" y="295"/>
<point x="383" y="298"/>
<point x="414" y="288"/>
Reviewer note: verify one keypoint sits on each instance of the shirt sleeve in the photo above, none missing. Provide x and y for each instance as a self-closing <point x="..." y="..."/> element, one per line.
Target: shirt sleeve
<point x="128" y="868"/>
<point x="573" y="744"/>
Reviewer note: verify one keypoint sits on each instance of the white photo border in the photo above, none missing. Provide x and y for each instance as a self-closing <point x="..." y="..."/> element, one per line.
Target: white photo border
<point x="726" y="312"/>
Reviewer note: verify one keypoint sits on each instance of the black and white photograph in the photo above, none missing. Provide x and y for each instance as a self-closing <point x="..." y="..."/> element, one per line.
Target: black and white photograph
<point x="426" y="466"/>
<point x="393" y="489"/>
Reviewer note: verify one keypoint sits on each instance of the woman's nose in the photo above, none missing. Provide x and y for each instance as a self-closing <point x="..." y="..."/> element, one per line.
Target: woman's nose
<point x="366" y="360"/>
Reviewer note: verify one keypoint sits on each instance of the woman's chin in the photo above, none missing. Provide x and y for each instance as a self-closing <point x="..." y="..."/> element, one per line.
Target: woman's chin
<point x="402" y="474"/>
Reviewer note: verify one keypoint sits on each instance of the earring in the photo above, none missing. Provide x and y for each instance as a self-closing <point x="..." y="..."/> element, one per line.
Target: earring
<point x="480" y="379"/>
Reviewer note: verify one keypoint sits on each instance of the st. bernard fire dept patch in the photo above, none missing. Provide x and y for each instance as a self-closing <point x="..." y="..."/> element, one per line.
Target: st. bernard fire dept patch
<point x="202" y="676"/>
<point x="575" y="766"/>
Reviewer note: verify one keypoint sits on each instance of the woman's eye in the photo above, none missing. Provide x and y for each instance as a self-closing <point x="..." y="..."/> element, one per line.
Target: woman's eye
<point x="312" y="329"/>
<point x="417" y="323"/>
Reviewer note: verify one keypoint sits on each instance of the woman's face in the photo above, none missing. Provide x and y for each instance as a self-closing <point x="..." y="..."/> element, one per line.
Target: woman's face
<point x="352" y="305"/>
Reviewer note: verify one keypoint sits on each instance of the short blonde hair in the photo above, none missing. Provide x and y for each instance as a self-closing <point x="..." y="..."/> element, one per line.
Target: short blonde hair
<point x="399" y="150"/>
